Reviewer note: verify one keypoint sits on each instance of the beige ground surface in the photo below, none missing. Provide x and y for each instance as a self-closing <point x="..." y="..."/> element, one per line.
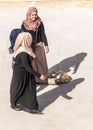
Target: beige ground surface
<point x="70" y="36"/>
<point x="66" y="3"/>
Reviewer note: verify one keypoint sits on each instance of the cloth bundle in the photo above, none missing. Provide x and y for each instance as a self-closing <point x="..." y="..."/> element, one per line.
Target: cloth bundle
<point x="58" y="78"/>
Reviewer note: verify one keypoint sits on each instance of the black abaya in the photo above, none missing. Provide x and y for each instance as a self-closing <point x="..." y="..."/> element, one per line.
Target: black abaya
<point x="23" y="84"/>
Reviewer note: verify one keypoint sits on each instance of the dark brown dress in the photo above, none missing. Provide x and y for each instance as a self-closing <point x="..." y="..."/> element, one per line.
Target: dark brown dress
<point x="40" y="63"/>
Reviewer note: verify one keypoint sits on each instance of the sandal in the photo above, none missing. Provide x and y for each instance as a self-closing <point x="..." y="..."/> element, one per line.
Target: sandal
<point x="17" y="109"/>
<point x="34" y="111"/>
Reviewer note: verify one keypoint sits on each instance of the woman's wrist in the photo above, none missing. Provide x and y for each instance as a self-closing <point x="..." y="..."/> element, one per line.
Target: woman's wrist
<point x="46" y="49"/>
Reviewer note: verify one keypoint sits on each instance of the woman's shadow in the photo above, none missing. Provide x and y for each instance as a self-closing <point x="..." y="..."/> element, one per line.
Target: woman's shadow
<point x="63" y="89"/>
<point x="68" y="63"/>
<point x="49" y="97"/>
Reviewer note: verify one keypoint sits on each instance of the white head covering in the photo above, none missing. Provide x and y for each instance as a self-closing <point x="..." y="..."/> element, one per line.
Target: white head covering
<point x="23" y="44"/>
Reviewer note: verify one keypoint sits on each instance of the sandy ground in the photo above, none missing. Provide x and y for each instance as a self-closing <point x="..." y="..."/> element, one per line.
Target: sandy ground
<point x="53" y="3"/>
<point x="70" y="35"/>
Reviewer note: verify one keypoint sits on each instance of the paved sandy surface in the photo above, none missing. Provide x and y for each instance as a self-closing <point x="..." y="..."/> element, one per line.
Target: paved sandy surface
<point x="62" y="3"/>
<point x="70" y="36"/>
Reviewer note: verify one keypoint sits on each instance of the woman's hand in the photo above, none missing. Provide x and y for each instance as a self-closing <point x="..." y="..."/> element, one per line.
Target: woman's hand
<point x="46" y="49"/>
<point x="42" y="77"/>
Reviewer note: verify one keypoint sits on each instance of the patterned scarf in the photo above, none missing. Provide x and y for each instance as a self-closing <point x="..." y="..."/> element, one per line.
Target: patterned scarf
<point x="31" y="25"/>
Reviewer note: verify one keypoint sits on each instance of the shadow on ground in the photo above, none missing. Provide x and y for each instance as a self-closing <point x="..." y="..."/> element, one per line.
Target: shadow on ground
<point x="62" y="90"/>
<point x="67" y="63"/>
<point x="49" y="97"/>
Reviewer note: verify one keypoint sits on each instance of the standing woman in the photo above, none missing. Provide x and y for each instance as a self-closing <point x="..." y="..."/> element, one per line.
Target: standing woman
<point x="23" y="84"/>
<point x="35" y="27"/>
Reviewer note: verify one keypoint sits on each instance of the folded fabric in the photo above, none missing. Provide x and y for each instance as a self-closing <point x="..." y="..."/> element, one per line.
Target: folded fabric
<point x="60" y="77"/>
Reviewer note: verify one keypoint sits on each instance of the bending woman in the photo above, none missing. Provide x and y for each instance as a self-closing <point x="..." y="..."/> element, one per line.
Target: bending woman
<point x="23" y="83"/>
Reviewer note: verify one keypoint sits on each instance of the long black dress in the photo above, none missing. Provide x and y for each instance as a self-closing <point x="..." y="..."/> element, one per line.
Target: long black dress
<point x="23" y="84"/>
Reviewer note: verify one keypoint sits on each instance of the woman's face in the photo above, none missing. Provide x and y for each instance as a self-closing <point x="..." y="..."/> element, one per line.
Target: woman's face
<point x="33" y="16"/>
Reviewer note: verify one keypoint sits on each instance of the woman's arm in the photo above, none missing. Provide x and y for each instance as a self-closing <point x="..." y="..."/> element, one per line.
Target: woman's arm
<point x="44" y="38"/>
<point x="43" y="35"/>
<point x="26" y="63"/>
<point x="23" y="28"/>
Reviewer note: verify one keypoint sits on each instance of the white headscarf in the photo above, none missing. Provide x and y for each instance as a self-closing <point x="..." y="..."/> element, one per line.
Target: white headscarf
<point x="23" y="44"/>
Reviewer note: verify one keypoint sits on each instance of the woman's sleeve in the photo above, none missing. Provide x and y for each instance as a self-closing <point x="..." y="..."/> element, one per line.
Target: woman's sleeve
<point x="23" y="28"/>
<point x="43" y="35"/>
<point x="26" y="63"/>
